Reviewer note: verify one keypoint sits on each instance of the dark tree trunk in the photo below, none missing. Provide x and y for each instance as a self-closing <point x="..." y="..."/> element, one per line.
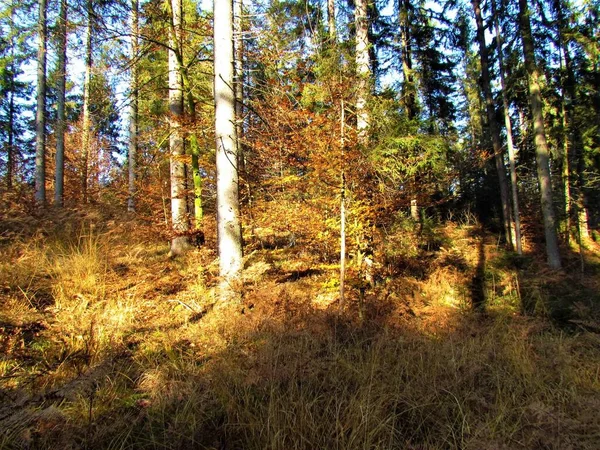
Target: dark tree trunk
<point x="59" y="177"/>
<point x="40" y="115"/>
<point x="542" y="153"/>
<point x="493" y="125"/>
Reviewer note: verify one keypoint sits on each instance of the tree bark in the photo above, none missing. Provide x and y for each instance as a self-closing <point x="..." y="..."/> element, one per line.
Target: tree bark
<point x="408" y="85"/>
<point x="238" y="45"/>
<point x="342" y="206"/>
<point x="493" y="125"/>
<point x="10" y="151"/>
<point x="86" y="132"/>
<point x="331" y="21"/>
<point x="179" y="218"/>
<point x="40" y="115"/>
<point x="572" y="146"/>
<point x="228" y="213"/>
<point x="59" y="176"/>
<point x="541" y="145"/>
<point x="133" y="111"/>
<point x="363" y="69"/>
<point x="509" y="139"/>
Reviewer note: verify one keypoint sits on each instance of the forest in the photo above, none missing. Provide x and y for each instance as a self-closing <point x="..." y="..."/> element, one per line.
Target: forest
<point x="300" y="224"/>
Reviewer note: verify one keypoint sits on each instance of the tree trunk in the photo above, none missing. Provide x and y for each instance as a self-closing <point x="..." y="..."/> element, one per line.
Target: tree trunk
<point x="541" y="145"/>
<point x="509" y="139"/>
<point x="40" y="115"/>
<point x="228" y="213"/>
<point x="493" y="125"/>
<point x="10" y="126"/>
<point x="238" y="44"/>
<point x="179" y="218"/>
<point x="572" y="145"/>
<point x="10" y="151"/>
<point x="331" y="21"/>
<point x="133" y="112"/>
<point x="86" y="132"/>
<point x="363" y="69"/>
<point x="59" y="176"/>
<point x="342" y="206"/>
<point x="408" y="85"/>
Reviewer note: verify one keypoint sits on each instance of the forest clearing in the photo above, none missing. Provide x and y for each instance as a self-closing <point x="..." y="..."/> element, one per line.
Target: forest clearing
<point x="108" y="343"/>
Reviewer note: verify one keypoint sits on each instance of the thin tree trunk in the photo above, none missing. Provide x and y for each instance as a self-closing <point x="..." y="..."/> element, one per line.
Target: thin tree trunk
<point x="196" y="176"/>
<point x="228" y="213"/>
<point x="571" y="138"/>
<point x="363" y="69"/>
<point x="493" y="125"/>
<point x="10" y="163"/>
<point x="331" y="20"/>
<point x="342" y="207"/>
<point x="86" y="132"/>
<point x="179" y="219"/>
<point x="40" y="115"/>
<point x="133" y="112"/>
<point x="10" y="126"/>
<point x="509" y="139"/>
<point x="59" y="174"/>
<point x="198" y="210"/>
<point x="238" y="44"/>
<point x="408" y="85"/>
<point x="541" y="145"/>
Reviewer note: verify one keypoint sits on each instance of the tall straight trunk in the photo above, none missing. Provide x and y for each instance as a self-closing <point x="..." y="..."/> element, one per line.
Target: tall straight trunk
<point x="331" y="20"/>
<point x="509" y="138"/>
<point x="10" y="131"/>
<point x="40" y="114"/>
<point x="179" y="219"/>
<point x="10" y="126"/>
<point x="228" y="213"/>
<point x="408" y="85"/>
<point x="238" y="51"/>
<point x="493" y="125"/>
<point x="59" y="174"/>
<point x="86" y="132"/>
<point x="195" y="154"/>
<point x="363" y="69"/>
<point x="572" y="150"/>
<point x="542" y="154"/>
<point x="342" y="206"/>
<point x="133" y="111"/>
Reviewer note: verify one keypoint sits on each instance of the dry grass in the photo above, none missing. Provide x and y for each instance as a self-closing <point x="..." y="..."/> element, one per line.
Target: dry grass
<point x="106" y="343"/>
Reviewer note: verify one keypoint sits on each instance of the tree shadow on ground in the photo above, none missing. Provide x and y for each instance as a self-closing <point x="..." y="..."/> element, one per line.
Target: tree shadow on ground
<point x="288" y="372"/>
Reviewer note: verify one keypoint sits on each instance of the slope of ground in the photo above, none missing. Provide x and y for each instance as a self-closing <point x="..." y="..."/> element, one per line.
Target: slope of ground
<point x="107" y="343"/>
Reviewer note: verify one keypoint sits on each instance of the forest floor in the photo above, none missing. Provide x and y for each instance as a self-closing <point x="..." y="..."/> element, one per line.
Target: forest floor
<point x="105" y="342"/>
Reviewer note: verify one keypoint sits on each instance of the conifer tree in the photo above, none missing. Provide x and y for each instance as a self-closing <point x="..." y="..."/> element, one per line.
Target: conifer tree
<point x="40" y="115"/>
<point x="541" y="144"/>
<point x="492" y="124"/>
<point x="60" y="108"/>
<point x="132" y="154"/>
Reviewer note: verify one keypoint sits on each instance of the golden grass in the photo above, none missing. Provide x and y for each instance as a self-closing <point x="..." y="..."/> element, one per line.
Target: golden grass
<point x="109" y="344"/>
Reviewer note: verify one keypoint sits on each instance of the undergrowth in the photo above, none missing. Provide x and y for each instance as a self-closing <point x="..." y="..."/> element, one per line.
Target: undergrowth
<point x="107" y="343"/>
